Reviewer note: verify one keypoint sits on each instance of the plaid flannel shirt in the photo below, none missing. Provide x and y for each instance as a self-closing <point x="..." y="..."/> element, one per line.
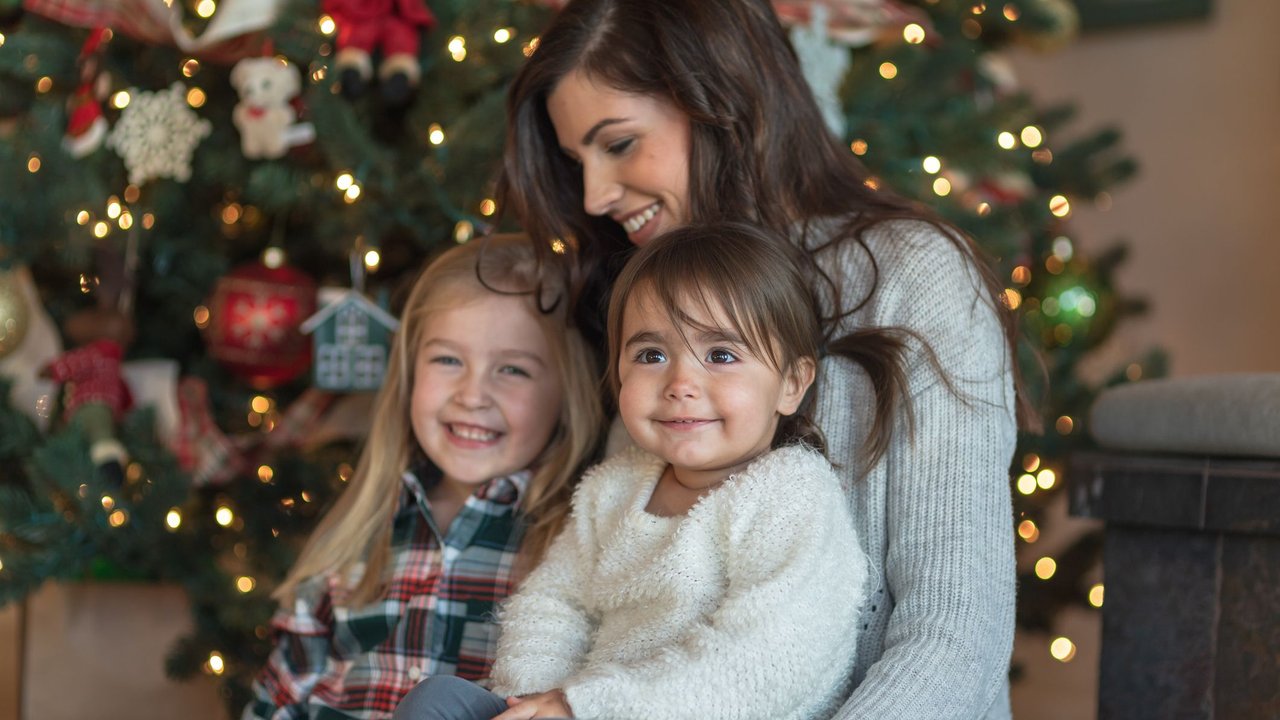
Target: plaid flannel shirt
<point x="437" y="617"/>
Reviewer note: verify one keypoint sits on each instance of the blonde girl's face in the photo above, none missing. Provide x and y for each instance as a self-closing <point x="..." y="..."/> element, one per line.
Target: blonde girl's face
<point x="486" y="390"/>
<point x="709" y="406"/>
<point x="633" y="150"/>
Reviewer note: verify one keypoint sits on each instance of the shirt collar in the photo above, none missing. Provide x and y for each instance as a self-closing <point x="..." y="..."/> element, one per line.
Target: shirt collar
<point x="505" y="490"/>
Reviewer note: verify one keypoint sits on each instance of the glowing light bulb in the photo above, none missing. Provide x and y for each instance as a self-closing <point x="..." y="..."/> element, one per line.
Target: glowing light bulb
<point x="118" y="518"/>
<point x="113" y="208"/>
<point x="1030" y="462"/>
<point x="44" y="84"/>
<point x="488" y="207"/>
<point x="201" y="316"/>
<point x="206" y="8"/>
<point x="435" y="134"/>
<point x="1095" y="595"/>
<point x="859" y="147"/>
<point x="1021" y="275"/>
<point x="502" y="35"/>
<point x="33" y="163"/>
<point x="327" y="26"/>
<point x="463" y="231"/>
<point x="372" y="259"/>
<point x="273" y="257"/>
<point x="223" y="516"/>
<point x="888" y="70"/>
<point x="352" y="193"/>
<point x="913" y="34"/>
<point x="173" y="519"/>
<point x="196" y="97"/>
<point x="1059" y="206"/>
<point x="120" y="100"/>
<point x="1012" y="298"/>
<point x="1012" y="13"/>
<point x="1006" y="140"/>
<point x="942" y="187"/>
<point x="457" y="48"/>
<point x="190" y="67"/>
<point x="1028" y="531"/>
<point x="1062" y="649"/>
<point x="1026" y="484"/>
<point x="245" y="584"/>
<point x="557" y="246"/>
<point x="1032" y="136"/>
<point x="1046" y="478"/>
<point x="344" y="181"/>
<point x="1065" y="425"/>
<point x="931" y="165"/>
<point x="1045" y="568"/>
<point x="216" y="665"/>
<point x="100" y="229"/>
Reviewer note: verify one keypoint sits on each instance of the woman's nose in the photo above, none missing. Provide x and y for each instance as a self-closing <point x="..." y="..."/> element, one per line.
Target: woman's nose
<point x="600" y="189"/>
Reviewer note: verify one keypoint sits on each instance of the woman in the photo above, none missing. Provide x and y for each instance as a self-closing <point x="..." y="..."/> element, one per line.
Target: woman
<point x="634" y="117"/>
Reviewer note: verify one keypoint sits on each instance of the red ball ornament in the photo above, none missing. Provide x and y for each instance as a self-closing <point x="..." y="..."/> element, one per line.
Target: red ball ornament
<point x="254" y="315"/>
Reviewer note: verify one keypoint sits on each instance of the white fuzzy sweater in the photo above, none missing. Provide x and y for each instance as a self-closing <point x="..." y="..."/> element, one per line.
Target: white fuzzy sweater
<point x="746" y="607"/>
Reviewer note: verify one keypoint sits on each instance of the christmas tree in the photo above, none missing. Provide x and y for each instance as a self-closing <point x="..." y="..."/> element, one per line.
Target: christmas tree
<point x="178" y="178"/>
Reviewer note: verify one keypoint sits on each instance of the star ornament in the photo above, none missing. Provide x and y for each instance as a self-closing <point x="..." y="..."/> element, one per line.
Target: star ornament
<point x="157" y="134"/>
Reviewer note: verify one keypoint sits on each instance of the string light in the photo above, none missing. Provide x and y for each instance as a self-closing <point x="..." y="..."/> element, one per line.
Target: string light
<point x="488" y="207"/>
<point x="457" y="48"/>
<point x="113" y="208"/>
<point x="196" y="97"/>
<point x="372" y="259"/>
<point x="215" y="665"/>
<point x="1026" y="483"/>
<point x="978" y="8"/>
<point x="108" y="502"/>
<point x="173" y="519"/>
<point x="859" y="147"/>
<point x="87" y="283"/>
<point x="245" y="584"/>
<point x="1045" y="568"/>
<point x="265" y="473"/>
<point x="435" y="134"/>
<point x="1" y="45"/>
<point x="1012" y="298"/>
<point x="557" y="246"/>
<point x="1028" y="531"/>
<point x="206" y="8"/>
<point x="502" y="35"/>
<point x="1032" y="136"/>
<point x="1062" y="649"/>
<point x="983" y="209"/>
<point x="260" y="403"/>
<point x="223" y="516"/>
<point x="345" y="471"/>
<point x="1095" y="595"/>
<point x="1030" y="462"/>
<point x="352" y="194"/>
<point x="82" y="217"/>
<point x="126" y="220"/>
<point x="1054" y="265"/>
<point x="133" y="473"/>
<point x="971" y="29"/>
<point x="1042" y="156"/>
<point x="148" y="221"/>
<point x="888" y="70"/>
<point x="201" y="316"/>
<point x="463" y="231"/>
<point x="1059" y="206"/>
<point x="872" y="182"/>
<point x="344" y="181"/>
<point x="1011" y="13"/>
<point x="327" y="26"/>
<point x="100" y="229"/>
<point x="273" y="257"/>
<point x="44" y="84"/>
<point x="942" y="187"/>
<point x="190" y="67"/>
<point x="1064" y="425"/>
<point x="1062" y="248"/>
<point x="1046" y="477"/>
<point x="931" y="165"/>
<point x="120" y="100"/>
<point x="118" y="518"/>
<point x="913" y="34"/>
<point x="1006" y="140"/>
<point x="1" y="561"/>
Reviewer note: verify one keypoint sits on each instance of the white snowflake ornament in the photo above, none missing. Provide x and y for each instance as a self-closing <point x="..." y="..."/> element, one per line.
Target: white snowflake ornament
<point x="824" y="65"/>
<point x="157" y="134"/>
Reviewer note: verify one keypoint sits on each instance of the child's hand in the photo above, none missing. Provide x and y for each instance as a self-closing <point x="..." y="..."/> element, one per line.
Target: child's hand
<point x="550" y="704"/>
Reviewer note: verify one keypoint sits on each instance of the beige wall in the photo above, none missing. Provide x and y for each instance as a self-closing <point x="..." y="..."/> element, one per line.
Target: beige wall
<point x="1199" y="104"/>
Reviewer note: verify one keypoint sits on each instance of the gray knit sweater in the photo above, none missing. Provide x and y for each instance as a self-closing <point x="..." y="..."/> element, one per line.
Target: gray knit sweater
<point x="934" y="516"/>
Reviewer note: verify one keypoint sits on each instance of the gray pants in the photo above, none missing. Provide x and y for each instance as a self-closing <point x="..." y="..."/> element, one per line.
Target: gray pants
<point x="446" y="697"/>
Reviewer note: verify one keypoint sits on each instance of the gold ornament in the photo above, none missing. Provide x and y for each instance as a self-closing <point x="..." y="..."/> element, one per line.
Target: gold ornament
<point x="14" y="316"/>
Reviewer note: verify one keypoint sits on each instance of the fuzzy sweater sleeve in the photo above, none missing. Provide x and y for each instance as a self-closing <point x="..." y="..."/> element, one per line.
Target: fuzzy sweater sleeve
<point x="781" y="643"/>
<point x="949" y="555"/>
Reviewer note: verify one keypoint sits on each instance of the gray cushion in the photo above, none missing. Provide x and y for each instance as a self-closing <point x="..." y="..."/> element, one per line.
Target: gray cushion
<point x="1236" y="414"/>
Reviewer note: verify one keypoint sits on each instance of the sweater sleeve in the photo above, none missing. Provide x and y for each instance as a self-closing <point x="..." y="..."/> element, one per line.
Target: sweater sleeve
<point x="546" y="629"/>
<point x="949" y="562"/>
<point x="781" y="642"/>
<point x="300" y="657"/>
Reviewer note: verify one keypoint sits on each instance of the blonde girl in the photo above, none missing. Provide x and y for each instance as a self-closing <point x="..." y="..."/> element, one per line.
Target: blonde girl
<point x="485" y="419"/>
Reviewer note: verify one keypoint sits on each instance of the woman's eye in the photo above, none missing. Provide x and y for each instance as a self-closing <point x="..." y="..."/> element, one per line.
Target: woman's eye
<point x="620" y="147"/>
<point x="720" y="356"/>
<point x="650" y="356"/>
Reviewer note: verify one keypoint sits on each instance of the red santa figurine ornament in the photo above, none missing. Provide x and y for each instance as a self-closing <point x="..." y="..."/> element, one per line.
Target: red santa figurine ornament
<point x="390" y="26"/>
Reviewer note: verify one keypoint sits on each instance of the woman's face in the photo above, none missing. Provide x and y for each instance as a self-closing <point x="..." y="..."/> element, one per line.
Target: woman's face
<point x="633" y="150"/>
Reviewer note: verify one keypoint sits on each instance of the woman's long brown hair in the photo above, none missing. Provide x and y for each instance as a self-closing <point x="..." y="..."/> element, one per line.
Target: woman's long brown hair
<point x="760" y="149"/>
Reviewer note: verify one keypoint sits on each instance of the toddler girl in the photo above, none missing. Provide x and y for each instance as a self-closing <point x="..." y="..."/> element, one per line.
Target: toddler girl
<point x="480" y="429"/>
<point x="712" y="571"/>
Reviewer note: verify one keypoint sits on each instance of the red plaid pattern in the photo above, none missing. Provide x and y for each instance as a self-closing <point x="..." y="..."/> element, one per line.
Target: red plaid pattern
<point x="92" y="374"/>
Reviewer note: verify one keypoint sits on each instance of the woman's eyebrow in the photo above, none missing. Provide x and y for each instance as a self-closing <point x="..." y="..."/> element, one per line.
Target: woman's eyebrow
<point x="591" y="134"/>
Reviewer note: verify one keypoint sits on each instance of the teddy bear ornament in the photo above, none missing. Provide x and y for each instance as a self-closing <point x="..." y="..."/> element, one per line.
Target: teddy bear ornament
<point x="266" y="115"/>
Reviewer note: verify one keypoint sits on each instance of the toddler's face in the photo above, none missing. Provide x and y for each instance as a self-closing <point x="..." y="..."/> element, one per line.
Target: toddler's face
<point x="486" y="390"/>
<point x="708" y="407"/>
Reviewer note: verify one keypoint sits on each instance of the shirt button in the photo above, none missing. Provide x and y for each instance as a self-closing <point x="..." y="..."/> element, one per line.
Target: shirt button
<point x="415" y="672"/>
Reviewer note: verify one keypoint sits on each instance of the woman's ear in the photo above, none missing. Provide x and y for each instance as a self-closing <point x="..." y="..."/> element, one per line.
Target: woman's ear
<point x="795" y="383"/>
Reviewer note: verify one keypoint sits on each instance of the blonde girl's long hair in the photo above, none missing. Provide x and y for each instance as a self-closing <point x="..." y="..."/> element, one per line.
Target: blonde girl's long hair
<point x="353" y="540"/>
